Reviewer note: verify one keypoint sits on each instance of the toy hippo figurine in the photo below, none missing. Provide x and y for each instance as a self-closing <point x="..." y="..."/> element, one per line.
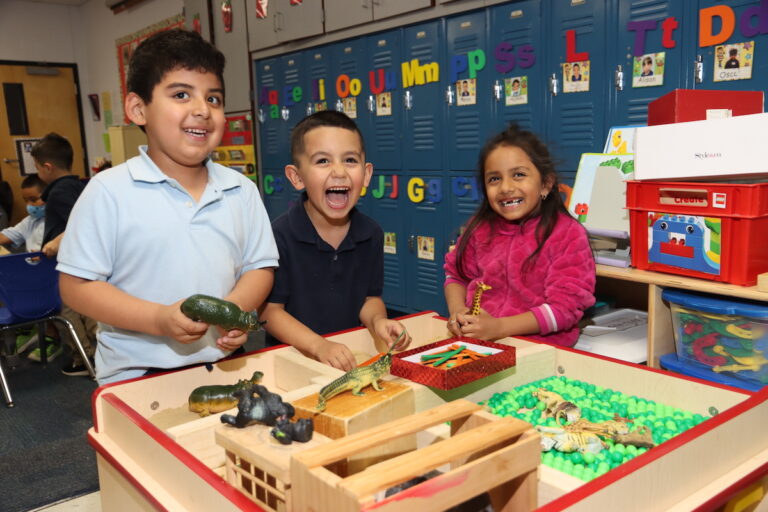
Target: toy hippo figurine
<point x="268" y="408"/>
<point x="206" y="400"/>
<point x="215" y="311"/>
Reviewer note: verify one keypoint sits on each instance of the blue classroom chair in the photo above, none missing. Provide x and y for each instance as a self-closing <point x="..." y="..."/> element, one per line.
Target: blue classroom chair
<point x="29" y="291"/>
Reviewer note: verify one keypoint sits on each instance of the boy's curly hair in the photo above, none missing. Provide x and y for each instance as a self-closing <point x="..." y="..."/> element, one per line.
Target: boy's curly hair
<point x="169" y="50"/>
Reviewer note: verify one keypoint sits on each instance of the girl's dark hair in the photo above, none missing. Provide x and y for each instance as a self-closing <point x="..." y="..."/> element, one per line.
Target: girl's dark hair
<point x="169" y="50"/>
<point x="550" y="207"/>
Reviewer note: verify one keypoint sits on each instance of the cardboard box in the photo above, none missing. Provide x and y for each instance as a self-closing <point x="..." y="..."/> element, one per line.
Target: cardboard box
<point x="713" y="231"/>
<point x="719" y="148"/>
<point x="682" y="105"/>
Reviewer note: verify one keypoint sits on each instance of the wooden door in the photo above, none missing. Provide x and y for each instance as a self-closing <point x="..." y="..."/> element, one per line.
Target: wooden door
<point x="51" y="104"/>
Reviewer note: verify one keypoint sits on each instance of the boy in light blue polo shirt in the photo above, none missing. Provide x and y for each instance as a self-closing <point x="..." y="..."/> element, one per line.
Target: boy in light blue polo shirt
<point x="168" y="223"/>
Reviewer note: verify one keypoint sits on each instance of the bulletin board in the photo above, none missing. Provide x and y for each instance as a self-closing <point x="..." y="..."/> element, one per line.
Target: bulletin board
<point x="127" y="44"/>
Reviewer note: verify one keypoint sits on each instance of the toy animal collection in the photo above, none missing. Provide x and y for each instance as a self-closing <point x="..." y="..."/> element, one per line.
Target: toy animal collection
<point x="206" y="400"/>
<point x="225" y="314"/>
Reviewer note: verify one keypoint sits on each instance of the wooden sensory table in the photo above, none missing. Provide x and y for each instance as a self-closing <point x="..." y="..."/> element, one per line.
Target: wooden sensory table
<point x="153" y="454"/>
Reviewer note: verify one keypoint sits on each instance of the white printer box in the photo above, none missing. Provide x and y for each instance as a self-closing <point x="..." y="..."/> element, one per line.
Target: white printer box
<point x="716" y="148"/>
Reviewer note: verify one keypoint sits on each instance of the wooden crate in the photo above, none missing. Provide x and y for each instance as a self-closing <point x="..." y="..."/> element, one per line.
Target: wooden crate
<point x="485" y="453"/>
<point x="260" y="466"/>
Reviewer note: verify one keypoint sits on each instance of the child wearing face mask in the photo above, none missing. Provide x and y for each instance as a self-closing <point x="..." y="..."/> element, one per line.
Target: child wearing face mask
<point x="27" y="235"/>
<point x="30" y="230"/>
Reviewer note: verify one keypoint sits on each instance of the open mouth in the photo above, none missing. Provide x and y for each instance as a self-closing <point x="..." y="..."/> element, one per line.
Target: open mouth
<point x="337" y="197"/>
<point x="195" y="132"/>
<point x="511" y="202"/>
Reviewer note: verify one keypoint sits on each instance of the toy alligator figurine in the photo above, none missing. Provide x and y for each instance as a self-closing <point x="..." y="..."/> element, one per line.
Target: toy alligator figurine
<point x="557" y="407"/>
<point x="225" y="314"/>
<point x="207" y="400"/>
<point x="609" y="429"/>
<point x="357" y="378"/>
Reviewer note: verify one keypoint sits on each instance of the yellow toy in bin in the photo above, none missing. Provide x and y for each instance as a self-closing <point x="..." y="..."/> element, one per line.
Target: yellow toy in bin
<point x="726" y="337"/>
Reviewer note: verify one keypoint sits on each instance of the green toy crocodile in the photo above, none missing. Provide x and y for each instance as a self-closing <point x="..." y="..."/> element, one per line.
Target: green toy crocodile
<point x="357" y="378"/>
<point x="206" y="400"/>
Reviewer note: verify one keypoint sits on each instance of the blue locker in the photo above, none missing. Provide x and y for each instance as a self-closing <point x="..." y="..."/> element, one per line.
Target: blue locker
<point x="748" y="19"/>
<point x="465" y="193"/>
<point x="426" y="235"/>
<point x="516" y="51"/>
<point x="653" y="18"/>
<point x="268" y="114"/>
<point x="577" y="120"/>
<point x="467" y="125"/>
<point x="385" y="201"/>
<point x="294" y="86"/>
<point x="421" y="84"/>
<point x="276" y="191"/>
<point x="381" y="119"/>
<point x="348" y="58"/>
<point x="320" y="65"/>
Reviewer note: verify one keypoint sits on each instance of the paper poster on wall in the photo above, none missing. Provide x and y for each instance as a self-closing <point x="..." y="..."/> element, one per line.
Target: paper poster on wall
<point x="320" y="106"/>
<point x="466" y="92"/>
<point x="384" y="104"/>
<point x="24" y="155"/>
<point x="576" y="76"/>
<point x="516" y="90"/>
<point x="426" y="247"/>
<point x="648" y="70"/>
<point x="620" y="140"/>
<point x="350" y="106"/>
<point x="106" y="108"/>
<point x="390" y="242"/>
<point x="734" y="61"/>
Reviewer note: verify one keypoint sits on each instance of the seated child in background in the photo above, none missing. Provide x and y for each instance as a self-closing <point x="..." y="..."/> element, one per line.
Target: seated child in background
<point x="167" y="224"/>
<point x="53" y="157"/>
<point x="29" y="234"/>
<point x="30" y="230"/>
<point x="331" y="271"/>
<point x="523" y="243"/>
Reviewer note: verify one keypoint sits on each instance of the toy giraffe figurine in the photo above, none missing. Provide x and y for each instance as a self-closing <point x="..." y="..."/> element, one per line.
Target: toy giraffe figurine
<point x="481" y="287"/>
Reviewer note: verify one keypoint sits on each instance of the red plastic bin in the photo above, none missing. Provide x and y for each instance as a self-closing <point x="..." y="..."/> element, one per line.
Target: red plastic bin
<point x="715" y="231"/>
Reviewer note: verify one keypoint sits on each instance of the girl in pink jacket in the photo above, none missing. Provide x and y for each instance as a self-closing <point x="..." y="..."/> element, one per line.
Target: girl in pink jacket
<point x="523" y="243"/>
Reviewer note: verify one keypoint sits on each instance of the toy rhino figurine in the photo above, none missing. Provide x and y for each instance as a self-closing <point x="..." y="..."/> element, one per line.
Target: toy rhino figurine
<point x="223" y="313"/>
<point x="206" y="400"/>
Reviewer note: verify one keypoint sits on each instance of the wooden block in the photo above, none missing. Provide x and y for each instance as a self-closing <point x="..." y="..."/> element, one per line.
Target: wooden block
<point x="762" y="282"/>
<point x="347" y="414"/>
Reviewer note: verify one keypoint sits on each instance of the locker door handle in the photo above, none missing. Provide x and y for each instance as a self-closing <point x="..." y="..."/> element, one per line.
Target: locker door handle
<point x="449" y="95"/>
<point x="285" y="113"/>
<point x="261" y="115"/>
<point x="364" y="4"/>
<point x="618" y="78"/>
<point x="412" y="243"/>
<point x="339" y="105"/>
<point x="310" y="109"/>
<point x="371" y="103"/>
<point x="498" y="90"/>
<point x="698" y="69"/>
<point x="278" y="21"/>
<point x="554" y="85"/>
<point x="408" y="99"/>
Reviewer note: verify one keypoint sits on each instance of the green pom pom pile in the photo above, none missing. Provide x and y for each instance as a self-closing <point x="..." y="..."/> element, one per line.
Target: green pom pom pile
<point x="597" y="404"/>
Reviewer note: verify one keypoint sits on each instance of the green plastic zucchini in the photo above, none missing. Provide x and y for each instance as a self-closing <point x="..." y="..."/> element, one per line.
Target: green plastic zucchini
<point x="225" y="314"/>
<point x="207" y="400"/>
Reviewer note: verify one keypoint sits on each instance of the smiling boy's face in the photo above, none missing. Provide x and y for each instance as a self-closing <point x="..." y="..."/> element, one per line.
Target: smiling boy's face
<point x="333" y="171"/>
<point x="184" y="121"/>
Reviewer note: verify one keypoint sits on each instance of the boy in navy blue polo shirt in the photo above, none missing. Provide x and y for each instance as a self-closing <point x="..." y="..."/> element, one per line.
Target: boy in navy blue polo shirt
<point x="331" y="271"/>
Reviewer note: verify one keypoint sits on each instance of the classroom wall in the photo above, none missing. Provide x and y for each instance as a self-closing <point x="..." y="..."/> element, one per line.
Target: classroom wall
<point x="84" y="35"/>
